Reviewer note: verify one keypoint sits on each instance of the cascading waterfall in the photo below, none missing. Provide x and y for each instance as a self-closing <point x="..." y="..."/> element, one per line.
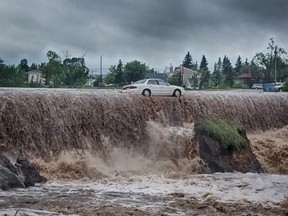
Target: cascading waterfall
<point x="49" y="123"/>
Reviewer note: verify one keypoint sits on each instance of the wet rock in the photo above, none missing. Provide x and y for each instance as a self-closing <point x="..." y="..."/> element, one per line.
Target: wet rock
<point x="28" y="170"/>
<point x="220" y="159"/>
<point x="24" y="174"/>
<point x="8" y="175"/>
<point x="5" y="162"/>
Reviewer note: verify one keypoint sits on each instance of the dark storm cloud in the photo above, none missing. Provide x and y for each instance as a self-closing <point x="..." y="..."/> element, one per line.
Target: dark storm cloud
<point x="265" y="11"/>
<point x="157" y="32"/>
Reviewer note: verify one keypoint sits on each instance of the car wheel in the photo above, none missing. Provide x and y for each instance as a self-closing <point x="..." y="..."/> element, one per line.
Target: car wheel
<point x="146" y="93"/>
<point x="280" y="90"/>
<point x="177" y="93"/>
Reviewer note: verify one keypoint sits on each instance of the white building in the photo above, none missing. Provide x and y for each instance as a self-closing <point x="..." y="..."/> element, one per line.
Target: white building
<point x="35" y="76"/>
<point x="187" y="75"/>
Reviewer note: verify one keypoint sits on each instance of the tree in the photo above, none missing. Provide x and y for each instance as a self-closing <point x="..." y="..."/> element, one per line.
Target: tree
<point x="175" y="80"/>
<point x="205" y="73"/>
<point x="11" y="76"/>
<point x="277" y="58"/>
<point x="256" y="71"/>
<point x="119" y="76"/>
<point x="110" y="77"/>
<point x="227" y="70"/>
<point x="217" y="73"/>
<point x="33" y="66"/>
<point x="238" y="66"/>
<point x="270" y="60"/>
<point x="76" y="73"/>
<point x="203" y="64"/>
<point x="53" y="70"/>
<point x="271" y="47"/>
<point x="135" y="70"/>
<point x="24" y="65"/>
<point x="188" y="62"/>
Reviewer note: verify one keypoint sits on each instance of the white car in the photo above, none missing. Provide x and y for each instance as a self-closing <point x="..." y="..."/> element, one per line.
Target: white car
<point x="148" y="87"/>
<point x="257" y="86"/>
<point x="278" y="86"/>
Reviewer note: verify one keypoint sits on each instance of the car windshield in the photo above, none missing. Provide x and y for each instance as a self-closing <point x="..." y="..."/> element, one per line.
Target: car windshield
<point x="140" y="81"/>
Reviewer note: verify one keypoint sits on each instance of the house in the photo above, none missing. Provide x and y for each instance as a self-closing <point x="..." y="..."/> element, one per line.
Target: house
<point x="35" y="76"/>
<point x="187" y="76"/>
<point x="162" y="76"/>
<point x="247" y="78"/>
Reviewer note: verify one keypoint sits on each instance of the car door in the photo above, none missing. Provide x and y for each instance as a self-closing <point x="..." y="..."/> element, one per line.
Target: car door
<point x="153" y="86"/>
<point x="164" y="88"/>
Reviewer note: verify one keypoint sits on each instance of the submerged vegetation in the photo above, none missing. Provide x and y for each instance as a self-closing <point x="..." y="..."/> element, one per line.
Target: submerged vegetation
<point x="227" y="132"/>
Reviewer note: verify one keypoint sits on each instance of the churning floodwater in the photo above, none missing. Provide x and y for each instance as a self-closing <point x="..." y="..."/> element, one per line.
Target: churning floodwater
<point x="152" y="194"/>
<point x="107" y="153"/>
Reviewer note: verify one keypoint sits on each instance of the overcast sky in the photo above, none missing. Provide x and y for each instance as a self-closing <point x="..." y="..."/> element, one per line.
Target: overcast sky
<point x="156" y="32"/>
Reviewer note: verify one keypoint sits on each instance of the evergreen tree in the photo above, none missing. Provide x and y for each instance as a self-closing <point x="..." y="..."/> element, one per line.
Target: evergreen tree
<point x="217" y="73"/>
<point x="238" y="66"/>
<point x="204" y="64"/>
<point x="227" y="70"/>
<point x="205" y="73"/>
<point x="188" y="61"/>
<point x="246" y="62"/>
<point x="119" y="76"/>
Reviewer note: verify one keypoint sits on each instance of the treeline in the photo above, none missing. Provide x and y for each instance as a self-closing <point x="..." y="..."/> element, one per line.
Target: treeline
<point x="71" y="72"/>
<point x="268" y="67"/>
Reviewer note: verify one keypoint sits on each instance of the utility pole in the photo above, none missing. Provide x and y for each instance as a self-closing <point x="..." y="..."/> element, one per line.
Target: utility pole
<point x="101" y="76"/>
<point x="275" y="64"/>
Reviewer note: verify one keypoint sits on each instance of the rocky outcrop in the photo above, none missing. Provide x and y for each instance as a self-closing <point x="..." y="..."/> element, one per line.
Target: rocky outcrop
<point x="9" y="180"/>
<point x="22" y="175"/>
<point x="29" y="172"/>
<point x="5" y="162"/>
<point x="221" y="159"/>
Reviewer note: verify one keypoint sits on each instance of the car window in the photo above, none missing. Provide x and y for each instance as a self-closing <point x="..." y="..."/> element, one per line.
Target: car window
<point x="161" y="82"/>
<point x="152" y="82"/>
<point x="140" y="81"/>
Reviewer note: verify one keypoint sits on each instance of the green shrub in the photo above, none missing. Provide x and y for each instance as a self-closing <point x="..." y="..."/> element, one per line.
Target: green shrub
<point x="240" y="85"/>
<point x="285" y="86"/>
<point x="224" y="131"/>
<point x="222" y="85"/>
<point x="34" y="85"/>
<point x="175" y="80"/>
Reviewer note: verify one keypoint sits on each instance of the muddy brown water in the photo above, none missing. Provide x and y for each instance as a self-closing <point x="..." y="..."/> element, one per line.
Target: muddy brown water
<point x="105" y="153"/>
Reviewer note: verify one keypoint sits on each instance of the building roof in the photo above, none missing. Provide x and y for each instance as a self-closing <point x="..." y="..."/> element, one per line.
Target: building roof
<point x="183" y="70"/>
<point x="246" y="75"/>
<point x="34" y="72"/>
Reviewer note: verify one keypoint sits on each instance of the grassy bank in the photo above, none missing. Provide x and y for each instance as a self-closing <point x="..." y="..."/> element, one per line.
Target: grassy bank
<point x="224" y="131"/>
